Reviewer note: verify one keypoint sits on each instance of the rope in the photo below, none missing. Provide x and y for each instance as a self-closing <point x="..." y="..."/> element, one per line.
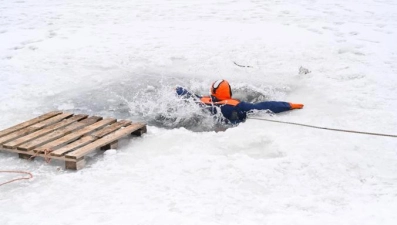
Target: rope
<point x="326" y="128"/>
<point x="47" y="157"/>
<point x="16" y="179"/>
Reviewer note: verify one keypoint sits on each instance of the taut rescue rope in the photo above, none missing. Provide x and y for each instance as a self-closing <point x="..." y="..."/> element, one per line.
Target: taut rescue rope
<point x="326" y="128"/>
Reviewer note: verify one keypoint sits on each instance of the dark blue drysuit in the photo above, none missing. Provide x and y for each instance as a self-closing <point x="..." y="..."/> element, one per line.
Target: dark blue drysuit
<point x="233" y="110"/>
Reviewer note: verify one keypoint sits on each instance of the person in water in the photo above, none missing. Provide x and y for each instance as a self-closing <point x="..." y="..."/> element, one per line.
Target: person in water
<point x="234" y="110"/>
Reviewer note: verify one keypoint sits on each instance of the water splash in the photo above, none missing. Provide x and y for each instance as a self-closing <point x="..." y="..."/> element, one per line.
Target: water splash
<point x="153" y="100"/>
<point x="160" y="106"/>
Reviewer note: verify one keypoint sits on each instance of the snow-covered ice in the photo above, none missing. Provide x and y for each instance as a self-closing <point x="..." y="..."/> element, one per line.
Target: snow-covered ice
<point x="123" y="58"/>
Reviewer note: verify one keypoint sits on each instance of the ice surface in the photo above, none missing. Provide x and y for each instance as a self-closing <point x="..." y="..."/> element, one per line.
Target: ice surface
<point x="124" y="58"/>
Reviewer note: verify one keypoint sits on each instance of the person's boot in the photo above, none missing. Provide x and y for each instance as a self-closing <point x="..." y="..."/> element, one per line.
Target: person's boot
<point x="296" y="105"/>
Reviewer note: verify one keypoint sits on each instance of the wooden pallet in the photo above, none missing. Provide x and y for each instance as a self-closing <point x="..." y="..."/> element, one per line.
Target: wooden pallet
<point x="65" y="136"/>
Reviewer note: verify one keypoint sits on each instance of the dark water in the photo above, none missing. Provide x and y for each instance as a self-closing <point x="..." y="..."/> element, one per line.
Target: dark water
<point x="151" y="99"/>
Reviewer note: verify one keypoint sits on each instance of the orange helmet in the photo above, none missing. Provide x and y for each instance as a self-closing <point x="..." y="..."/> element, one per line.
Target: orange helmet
<point x="221" y="90"/>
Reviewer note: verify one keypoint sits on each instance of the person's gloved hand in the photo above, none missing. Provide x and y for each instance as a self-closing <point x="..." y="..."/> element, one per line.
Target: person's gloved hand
<point x="296" y="105"/>
<point x="181" y="91"/>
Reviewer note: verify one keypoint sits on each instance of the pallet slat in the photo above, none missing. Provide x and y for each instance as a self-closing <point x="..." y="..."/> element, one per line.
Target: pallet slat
<point x="91" y="120"/>
<point x="81" y="152"/>
<point x="15" y="143"/>
<point x="31" y="153"/>
<point x="34" y="127"/>
<point x="28" y="123"/>
<point x="75" y="135"/>
<point x="55" y="135"/>
<point x="51" y="120"/>
<point x="74" y="145"/>
<point x="91" y="137"/>
<point x="111" y="128"/>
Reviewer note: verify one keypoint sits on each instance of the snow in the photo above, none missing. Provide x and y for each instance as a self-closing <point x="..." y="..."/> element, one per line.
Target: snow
<point x="123" y="58"/>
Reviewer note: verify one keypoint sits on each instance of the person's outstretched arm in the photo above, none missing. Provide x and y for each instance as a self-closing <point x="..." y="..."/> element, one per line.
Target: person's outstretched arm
<point x="273" y="106"/>
<point x="180" y="91"/>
